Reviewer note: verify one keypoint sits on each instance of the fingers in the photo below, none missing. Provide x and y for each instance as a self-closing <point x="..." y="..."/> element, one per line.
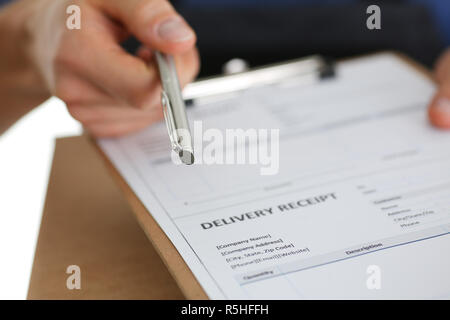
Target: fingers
<point x="154" y="22"/>
<point x="127" y="78"/>
<point x="108" y="112"/>
<point x="109" y="91"/>
<point x="118" y="128"/>
<point x="439" y="110"/>
<point x="188" y="66"/>
<point x="101" y="113"/>
<point x="131" y="80"/>
<point x="109" y="120"/>
<point x="144" y="53"/>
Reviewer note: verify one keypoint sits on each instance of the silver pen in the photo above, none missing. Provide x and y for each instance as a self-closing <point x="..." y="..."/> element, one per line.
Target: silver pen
<point x="174" y="109"/>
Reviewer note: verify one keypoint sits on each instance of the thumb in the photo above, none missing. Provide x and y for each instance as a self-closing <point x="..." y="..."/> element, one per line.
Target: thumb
<point x="154" y="22"/>
<point x="439" y="110"/>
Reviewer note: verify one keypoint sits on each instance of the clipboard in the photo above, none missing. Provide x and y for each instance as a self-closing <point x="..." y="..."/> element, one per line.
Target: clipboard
<point x="312" y="68"/>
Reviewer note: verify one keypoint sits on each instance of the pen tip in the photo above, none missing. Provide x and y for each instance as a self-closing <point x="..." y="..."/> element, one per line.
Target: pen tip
<point x="187" y="157"/>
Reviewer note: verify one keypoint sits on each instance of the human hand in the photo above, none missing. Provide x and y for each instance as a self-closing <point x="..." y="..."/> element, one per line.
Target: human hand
<point x="439" y="109"/>
<point x="108" y="90"/>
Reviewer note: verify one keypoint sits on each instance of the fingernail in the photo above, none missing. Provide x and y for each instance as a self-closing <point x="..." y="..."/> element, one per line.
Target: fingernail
<point x="443" y="105"/>
<point x="175" y="29"/>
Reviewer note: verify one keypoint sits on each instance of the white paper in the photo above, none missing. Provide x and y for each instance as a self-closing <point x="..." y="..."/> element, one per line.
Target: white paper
<point x="360" y="207"/>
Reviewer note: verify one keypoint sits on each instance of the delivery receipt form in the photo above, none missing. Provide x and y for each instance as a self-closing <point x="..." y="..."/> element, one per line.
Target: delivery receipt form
<point x="363" y="180"/>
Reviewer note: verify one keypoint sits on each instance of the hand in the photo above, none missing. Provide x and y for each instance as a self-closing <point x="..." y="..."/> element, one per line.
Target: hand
<point x="108" y="90"/>
<point x="439" y="110"/>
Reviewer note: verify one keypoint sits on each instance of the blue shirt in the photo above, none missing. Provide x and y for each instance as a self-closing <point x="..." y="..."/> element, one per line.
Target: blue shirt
<point x="439" y="9"/>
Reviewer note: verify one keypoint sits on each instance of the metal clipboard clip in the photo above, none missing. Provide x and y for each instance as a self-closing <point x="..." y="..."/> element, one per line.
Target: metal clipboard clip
<point x="311" y="69"/>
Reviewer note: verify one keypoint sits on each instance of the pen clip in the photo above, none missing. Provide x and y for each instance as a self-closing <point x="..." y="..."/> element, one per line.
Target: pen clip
<point x="170" y="122"/>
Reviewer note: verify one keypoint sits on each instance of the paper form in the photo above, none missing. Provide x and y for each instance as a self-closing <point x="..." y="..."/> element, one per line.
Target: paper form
<point x="363" y="185"/>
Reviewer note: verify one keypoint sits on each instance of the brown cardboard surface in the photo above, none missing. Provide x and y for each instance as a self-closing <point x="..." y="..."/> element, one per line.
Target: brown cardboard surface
<point x="87" y="222"/>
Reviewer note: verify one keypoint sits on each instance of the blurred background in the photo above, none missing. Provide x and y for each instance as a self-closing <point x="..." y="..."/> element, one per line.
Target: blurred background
<point x="267" y="31"/>
<point x="258" y="31"/>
